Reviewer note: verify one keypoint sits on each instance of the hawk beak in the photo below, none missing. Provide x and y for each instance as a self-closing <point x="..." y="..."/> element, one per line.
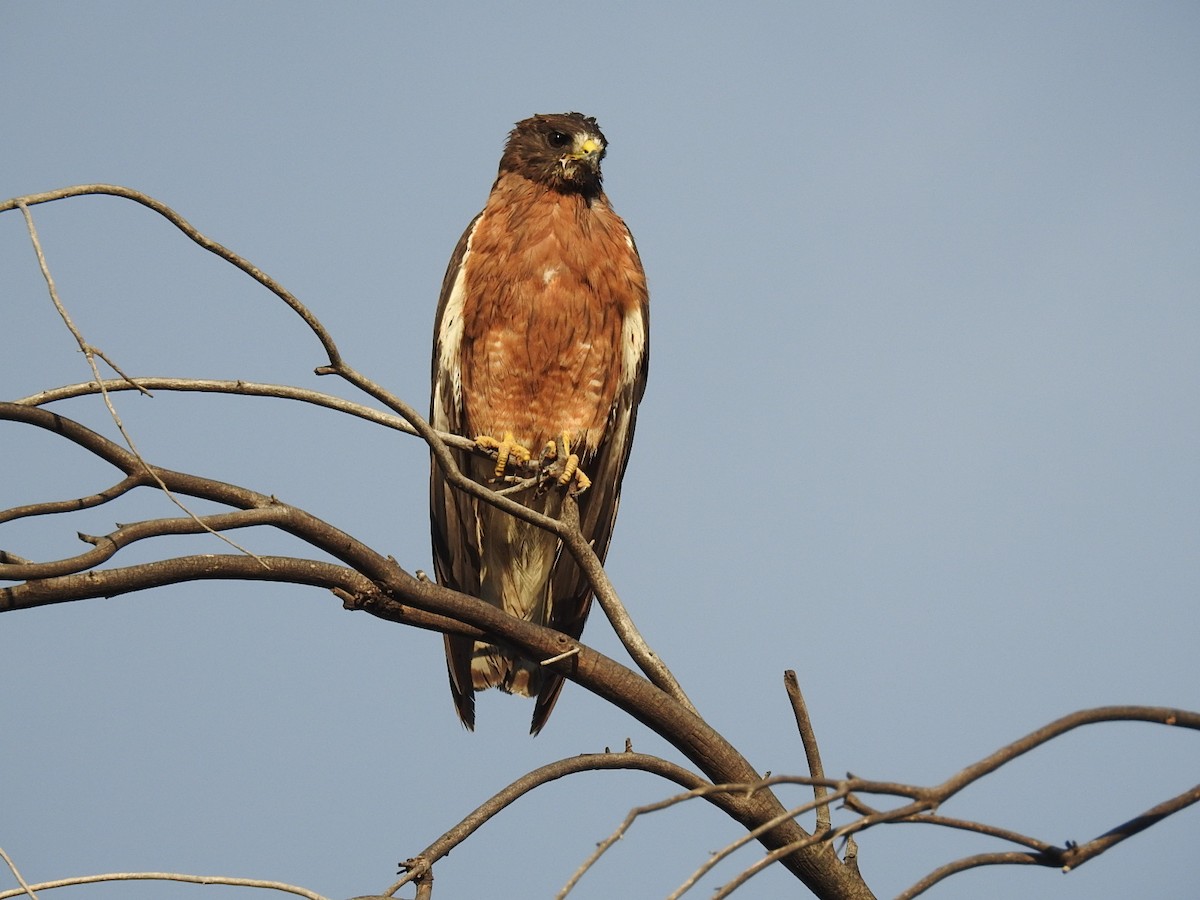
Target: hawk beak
<point x="587" y="150"/>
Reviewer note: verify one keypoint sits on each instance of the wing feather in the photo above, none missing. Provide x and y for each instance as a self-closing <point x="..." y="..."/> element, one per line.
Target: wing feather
<point x="453" y="516"/>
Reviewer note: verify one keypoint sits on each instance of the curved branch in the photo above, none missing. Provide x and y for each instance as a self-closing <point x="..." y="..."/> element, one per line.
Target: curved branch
<point x="195" y="235"/>
<point x="588" y="762"/>
<point x="687" y="732"/>
<point x="106" y="546"/>
<point x="1011" y="858"/>
<point x="1163" y="715"/>
<point x="379" y="586"/>
<point x="1004" y="834"/>
<point x="60" y="506"/>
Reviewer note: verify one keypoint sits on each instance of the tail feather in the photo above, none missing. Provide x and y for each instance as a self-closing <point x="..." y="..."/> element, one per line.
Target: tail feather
<point x="515" y="572"/>
<point x="492" y="666"/>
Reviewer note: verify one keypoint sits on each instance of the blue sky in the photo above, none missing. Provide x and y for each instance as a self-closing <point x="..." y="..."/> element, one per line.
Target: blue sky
<point x="921" y="423"/>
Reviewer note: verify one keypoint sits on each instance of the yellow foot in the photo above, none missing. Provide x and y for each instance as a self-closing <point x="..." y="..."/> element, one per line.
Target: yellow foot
<point x="507" y="450"/>
<point x="570" y="467"/>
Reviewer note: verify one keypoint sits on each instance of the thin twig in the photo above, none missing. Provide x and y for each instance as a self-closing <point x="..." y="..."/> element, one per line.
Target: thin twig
<point x="90" y="353"/>
<point x="50" y="507"/>
<point x="105" y="547"/>
<point x="780" y="852"/>
<point x="207" y="243"/>
<point x="1010" y="858"/>
<point x="706" y="790"/>
<point x="752" y="834"/>
<point x="169" y="876"/>
<point x="1163" y="715"/>
<point x="242" y="389"/>
<point x="1004" y="834"/>
<point x="808" y="738"/>
<point x="12" y="867"/>
<point x="590" y="762"/>
<point x="606" y="595"/>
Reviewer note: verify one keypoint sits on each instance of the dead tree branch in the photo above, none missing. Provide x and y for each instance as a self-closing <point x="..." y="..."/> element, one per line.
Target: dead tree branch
<point x="368" y="581"/>
<point x="363" y="579"/>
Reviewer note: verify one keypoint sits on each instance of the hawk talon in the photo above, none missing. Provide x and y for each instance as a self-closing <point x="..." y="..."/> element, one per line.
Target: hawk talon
<point x="582" y="482"/>
<point x="507" y="450"/>
<point x="571" y="470"/>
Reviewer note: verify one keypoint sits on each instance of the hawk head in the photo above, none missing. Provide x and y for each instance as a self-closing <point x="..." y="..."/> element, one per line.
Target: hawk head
<point x="561" y="151"/>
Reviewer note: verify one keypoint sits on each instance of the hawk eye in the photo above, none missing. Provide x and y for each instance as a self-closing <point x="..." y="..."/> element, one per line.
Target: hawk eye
<point x="559" y="139"/>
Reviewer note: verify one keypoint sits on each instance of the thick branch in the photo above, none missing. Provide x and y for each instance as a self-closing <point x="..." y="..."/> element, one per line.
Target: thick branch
<point x="345" y="582"/>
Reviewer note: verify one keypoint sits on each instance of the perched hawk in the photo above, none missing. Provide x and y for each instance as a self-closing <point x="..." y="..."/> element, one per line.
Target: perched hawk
<point x="540" y="349"/>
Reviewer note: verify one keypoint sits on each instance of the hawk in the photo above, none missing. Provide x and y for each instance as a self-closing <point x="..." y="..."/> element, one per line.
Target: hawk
<point x="541" y="345"/>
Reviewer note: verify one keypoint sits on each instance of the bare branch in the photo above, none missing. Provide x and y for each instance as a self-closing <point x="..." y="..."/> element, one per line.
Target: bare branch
<point x="1074" y="857"/>
<point x="752" y="834"/>
<point x="606" y="595"/>
<point x="207" y="243"/>
<point x="592" y="762"/>
<point x="368" y="581"/>
<point x="168" y="876"/>
<point x="60" y="506"/>
<point x="995" y="831"/>
<point x="1160" y="714"/>
<point x="106" y="546"/>
<point x="381" y="587"/>
<point x="705" y="790"/>
<point x="243" y="389"/>
<point x="805" y="842"/>
<point x="12" y="867"/>
<point x="1012" y="858"/>
<point x="1066" y="859"/>
<point x="925" y="799"/>
<point x="208" y="567"/>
